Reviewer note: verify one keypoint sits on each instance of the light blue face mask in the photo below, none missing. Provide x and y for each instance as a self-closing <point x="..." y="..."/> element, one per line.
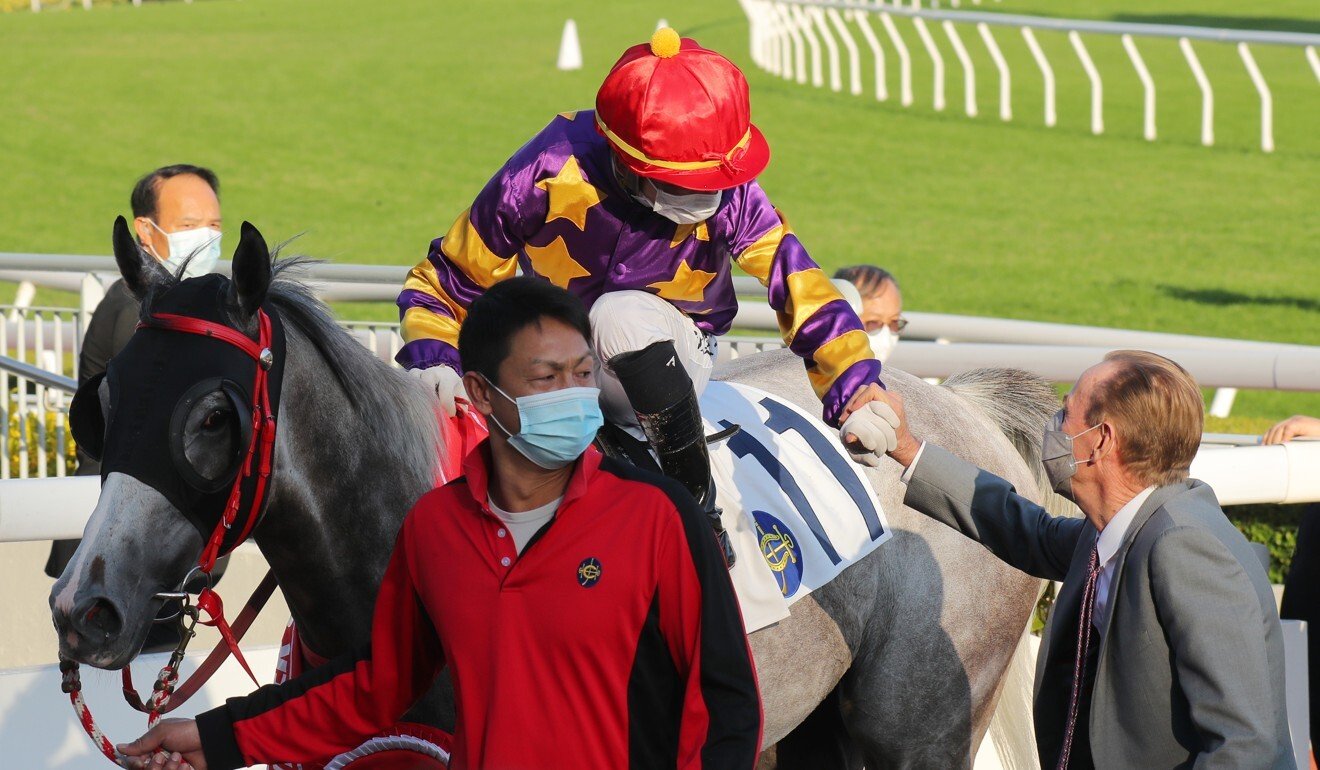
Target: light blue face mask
<point x="556" y="427"/>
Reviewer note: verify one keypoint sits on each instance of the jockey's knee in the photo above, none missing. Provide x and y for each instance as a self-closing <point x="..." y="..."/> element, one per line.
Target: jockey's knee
<point x="629" y="321"/>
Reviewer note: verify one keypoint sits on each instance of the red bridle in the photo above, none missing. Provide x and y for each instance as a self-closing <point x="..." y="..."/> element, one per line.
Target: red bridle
<point x="262" y="444"/>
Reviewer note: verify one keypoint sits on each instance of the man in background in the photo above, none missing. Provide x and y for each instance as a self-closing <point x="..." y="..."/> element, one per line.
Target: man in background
<point x="882" y="306"/>
<point x="176" y="214"/>
<point x="1301" y="597"/>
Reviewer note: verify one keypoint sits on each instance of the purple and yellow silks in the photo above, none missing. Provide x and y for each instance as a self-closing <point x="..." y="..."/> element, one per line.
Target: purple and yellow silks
<point x="556" y="210"/>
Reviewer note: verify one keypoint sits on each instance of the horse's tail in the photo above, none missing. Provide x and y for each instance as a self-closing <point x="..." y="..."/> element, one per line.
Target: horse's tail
<point x="1020" y="403"/>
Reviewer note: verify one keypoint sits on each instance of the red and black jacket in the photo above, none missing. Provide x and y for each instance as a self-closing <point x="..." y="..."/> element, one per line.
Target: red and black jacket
<point x="614" y="640"/>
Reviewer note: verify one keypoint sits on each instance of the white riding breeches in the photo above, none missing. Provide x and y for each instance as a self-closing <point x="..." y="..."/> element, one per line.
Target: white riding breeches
<point x="629" y="321"/>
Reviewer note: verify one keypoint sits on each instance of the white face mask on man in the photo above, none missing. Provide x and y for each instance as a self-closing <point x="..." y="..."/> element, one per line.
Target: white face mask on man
<point x="883" y="342"/>
<point x="203" y="242"/>
<point x="686" y="209"/>
<point x="680" y="208"/>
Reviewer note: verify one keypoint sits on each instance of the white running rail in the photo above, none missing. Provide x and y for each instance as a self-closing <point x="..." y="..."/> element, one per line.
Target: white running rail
<point x="780" y="27"/>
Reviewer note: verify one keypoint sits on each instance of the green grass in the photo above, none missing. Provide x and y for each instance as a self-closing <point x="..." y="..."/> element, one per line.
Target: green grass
<point x="368" y="126"/>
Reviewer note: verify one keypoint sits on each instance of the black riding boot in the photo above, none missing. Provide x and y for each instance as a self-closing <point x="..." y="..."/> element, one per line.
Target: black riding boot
<point x="662" y="395"/>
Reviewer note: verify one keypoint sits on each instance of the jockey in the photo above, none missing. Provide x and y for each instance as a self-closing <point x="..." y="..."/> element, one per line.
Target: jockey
<point x="638" y="207"/>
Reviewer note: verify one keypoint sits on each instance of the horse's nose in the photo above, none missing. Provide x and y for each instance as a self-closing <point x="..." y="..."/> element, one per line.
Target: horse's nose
<point x="97" y="620"/>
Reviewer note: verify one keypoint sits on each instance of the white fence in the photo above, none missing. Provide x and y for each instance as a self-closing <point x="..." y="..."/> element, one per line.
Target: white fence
<point x="801" y="40"/>
<point x="36" y="443"/>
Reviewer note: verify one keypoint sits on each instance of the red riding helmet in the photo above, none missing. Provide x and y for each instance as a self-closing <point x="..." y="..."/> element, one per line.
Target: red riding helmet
<point x="679" y="113"/>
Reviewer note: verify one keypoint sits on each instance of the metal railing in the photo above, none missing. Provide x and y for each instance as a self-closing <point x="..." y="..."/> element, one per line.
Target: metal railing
<point x="797" y="39"/>
<point x="39" y="349"/>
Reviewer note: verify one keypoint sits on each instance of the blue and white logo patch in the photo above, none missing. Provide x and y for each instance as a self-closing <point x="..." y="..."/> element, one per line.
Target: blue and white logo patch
<point x="781" y="552"/>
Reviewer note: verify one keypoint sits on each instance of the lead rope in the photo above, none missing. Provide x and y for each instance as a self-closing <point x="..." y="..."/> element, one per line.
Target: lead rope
<point x="161" y="691"/>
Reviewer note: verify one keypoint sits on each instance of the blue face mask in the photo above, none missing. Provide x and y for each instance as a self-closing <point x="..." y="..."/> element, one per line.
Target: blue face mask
<point x="557" y="427"/>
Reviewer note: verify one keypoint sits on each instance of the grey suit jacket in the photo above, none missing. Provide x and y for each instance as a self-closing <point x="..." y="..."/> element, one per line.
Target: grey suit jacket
<point x="1190" y="672"/>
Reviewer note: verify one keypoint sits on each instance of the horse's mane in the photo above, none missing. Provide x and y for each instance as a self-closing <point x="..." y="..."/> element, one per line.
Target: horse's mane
<point x="391" y="407"/>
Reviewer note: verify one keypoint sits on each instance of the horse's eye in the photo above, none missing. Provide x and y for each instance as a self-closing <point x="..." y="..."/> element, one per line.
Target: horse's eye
<point x="214" y="420"/>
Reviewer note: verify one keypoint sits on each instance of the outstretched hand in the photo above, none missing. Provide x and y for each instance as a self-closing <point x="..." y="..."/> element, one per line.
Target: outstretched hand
<point x="173" y="744"/>
<point x="878" y="425"/>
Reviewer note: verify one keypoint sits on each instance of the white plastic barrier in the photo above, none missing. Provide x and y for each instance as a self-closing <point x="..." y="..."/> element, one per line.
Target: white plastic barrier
<point x="1281" y="473"/>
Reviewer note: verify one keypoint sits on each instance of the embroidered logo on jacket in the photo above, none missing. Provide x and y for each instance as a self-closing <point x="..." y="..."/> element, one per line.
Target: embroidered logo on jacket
<point x="588" y="572"/>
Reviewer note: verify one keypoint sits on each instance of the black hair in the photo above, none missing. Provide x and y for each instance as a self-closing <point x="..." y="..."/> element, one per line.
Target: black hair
<point x="506" y="309"/>
<point x="868" y="279"/>
<point x="145" y="195"/>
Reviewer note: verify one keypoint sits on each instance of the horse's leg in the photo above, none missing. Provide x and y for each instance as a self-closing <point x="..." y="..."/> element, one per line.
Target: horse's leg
<point x="821" y="742"/>
<point x="922" y="687"/>
<point x="798" y="662"/>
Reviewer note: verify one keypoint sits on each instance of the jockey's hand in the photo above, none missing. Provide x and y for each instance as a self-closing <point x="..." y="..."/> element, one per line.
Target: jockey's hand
<point x="173" y="744"/>
<point x="446" y="383"/>
<point x="868" y="425"/>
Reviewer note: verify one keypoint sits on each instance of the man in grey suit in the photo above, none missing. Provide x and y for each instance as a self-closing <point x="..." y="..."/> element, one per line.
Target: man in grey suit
<point x="1164" y="648"/>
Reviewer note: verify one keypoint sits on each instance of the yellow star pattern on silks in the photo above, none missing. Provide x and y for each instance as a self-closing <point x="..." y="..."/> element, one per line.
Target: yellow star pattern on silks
<point x="570" y="194"/>
<point x="570" y="116"/>
<point x="687" y="285"/>
<point x="682" y="232"/>
<point x="554" y="262"/>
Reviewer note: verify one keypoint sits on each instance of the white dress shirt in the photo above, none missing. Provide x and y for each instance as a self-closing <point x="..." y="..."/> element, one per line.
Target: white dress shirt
<point x="1111" y="537"/>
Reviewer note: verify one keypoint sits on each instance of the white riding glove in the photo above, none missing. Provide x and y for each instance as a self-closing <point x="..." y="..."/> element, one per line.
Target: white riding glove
<point x="446" y="383"/>
<point x="875" y="425"/>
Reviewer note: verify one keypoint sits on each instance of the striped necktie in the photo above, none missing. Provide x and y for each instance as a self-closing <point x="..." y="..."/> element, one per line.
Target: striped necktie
<point x="1084" y="633"/>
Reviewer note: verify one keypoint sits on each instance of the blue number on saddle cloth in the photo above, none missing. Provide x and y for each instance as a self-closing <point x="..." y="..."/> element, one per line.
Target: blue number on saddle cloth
<point x="790" y="495"/>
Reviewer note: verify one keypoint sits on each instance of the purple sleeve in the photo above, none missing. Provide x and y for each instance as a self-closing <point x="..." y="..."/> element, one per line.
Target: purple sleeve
<point x="817" y="323"/>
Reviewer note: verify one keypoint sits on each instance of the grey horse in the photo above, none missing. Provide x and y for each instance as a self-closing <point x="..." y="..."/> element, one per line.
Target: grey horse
<point x="910" y="643"/>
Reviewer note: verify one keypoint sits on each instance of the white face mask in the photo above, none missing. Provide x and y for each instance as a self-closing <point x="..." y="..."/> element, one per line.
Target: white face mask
<point x="204" y="242"/>
<point x="883" y="342"/>
<point x="686" y="209"/>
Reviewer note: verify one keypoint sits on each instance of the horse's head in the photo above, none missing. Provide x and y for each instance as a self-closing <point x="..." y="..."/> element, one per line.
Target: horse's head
<point x="171" y="421"/>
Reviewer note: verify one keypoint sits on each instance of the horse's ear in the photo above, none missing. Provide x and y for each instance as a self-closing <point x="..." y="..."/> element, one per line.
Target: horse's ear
<point x="251" y="271"/>
<point x="138" y="268"/>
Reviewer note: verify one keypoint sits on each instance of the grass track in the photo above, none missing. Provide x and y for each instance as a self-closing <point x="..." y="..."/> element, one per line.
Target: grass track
<point x="368" y="126"/>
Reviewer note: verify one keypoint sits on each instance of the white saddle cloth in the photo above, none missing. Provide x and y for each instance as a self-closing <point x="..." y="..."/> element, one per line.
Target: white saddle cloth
<point x="798" y="511"/>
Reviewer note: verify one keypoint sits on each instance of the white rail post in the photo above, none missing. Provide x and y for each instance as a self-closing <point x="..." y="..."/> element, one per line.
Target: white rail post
<point x="1315" y="67"/>
<point x="804" y="26"/>
<point x="1147" y="85"/>
<point x="1005" y="80"/>
<point x="1266" y="100"/>
<point x="854" y="61"/>
<point x="904" y="60"/>
<point x="1222" y="403"/>
<point x="969" y="73"/>
<point x="1207" y="95"/>
<point x="831" y="47"/>
<point x="39" y="392"/>
<point x="936" y="61"/>
<point x="1097" y="117"/>
<point x="36" y="8"/>
<point x="5" y="470"/>
<point x="20" y="348"/>
<point x="799" y="67"/>
<point x="1046" y="74"/>
<point x="881" y="89"/>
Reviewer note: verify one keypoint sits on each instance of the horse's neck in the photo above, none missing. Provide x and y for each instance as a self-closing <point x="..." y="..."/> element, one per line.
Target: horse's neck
<point x="339" y="494"/>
